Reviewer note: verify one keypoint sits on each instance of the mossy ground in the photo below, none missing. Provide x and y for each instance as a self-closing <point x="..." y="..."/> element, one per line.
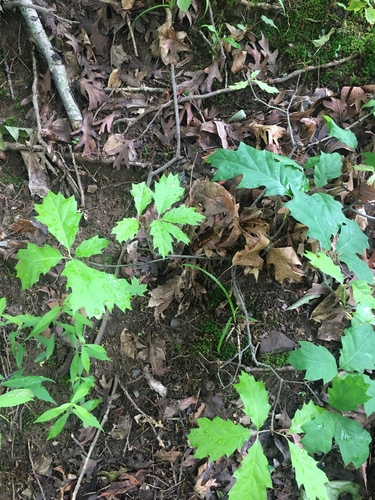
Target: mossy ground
<point x="305" y="21"/>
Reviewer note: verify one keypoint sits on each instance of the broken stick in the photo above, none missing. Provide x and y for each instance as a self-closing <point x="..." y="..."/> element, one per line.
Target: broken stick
<point x="54" y="61"/>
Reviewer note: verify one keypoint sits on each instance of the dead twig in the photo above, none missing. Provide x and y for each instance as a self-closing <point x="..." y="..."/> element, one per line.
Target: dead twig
<point x="35" y="96"/>
<point x="299" y="72"/>
<point x="157" y="90"/>
<point x="8" y="72"/>
<point x="34" y="472"/>
<point x="146" y="417"/>
<point x="82" y="194"/>
<point x="8" y="5"/>
<point x="93" y="444"/>
<point x="132" y="35"/>
<point x="177" y="157"/>
<point x="54" y="61"/>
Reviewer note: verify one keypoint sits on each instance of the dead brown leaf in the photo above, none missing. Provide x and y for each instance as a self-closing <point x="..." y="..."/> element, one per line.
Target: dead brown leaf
<point x="88" y="135"/>
<point x="170" y="456"/>
<point x="286" y="264"/>
<point x="157" y="356"/>
<point x="213" y="73"/>
<point x="176" y="406"/>
<point x="170" y="43"/>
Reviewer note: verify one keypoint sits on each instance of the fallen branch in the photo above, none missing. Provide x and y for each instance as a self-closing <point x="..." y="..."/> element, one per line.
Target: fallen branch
<point x="299" y="72"/>
<point x="54" y="61"/>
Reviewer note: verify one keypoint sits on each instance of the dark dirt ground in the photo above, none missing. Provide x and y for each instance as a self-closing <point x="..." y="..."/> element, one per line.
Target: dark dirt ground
<point x="144" y="451"/>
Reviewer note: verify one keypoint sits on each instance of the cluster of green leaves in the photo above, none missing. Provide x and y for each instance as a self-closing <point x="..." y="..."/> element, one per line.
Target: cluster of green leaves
<point x="320" y="212"/>
<point x="364" y="6"/>
<point x="91" y="291"/>
<point x="164" y="227"/>
<point x="24" y="388"/>
<point x="348" y="387"/>
<point x="218" y="437"/>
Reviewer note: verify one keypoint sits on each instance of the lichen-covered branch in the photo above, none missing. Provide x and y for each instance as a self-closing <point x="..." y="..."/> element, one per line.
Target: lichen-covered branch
<point x="54" y="61"/>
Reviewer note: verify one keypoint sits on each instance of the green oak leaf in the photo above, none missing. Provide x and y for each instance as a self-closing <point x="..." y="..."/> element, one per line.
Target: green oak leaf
<point x="336" y="489"/>
<point x="352" y="440"/>
<point x="92" y="246"/>
<point x="126" y="229"/>
<point x="167" y="192"/>
<point x="34" y="261"/>
<point x="326" y="167"/>
<point x="353" y="241"/>
<point x="142" y="195"/>
<point x="94" y="290"/>
<point x="60" y="215"/>
<point x="358" y="348"/>
<point x="254" y="397"/>
<point x="325" y="264"/>
<point x="217" y="437"/>
<point x="345" y="136"/>
<point x="163" y="234"/>
<point x="318" y="362"/>
<point x="320" y="212"/>
<point x="348" y="392"/>
<point x="308" y="474"/>
<point x="183" y="215"/>
<point x="370" y="404"/>
<point x="362" y="293"/>
<point x="319" y="433"/>
<point x="305" y="414"/>
<point x="259" y="168"/>
<point x="253" y="476"/>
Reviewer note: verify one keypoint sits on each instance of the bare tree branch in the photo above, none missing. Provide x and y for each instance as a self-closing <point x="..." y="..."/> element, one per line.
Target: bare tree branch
<point x="54" y="61"/>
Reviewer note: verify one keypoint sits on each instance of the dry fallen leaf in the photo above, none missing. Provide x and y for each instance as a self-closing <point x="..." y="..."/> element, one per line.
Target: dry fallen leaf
<point x="168" y="456"/>
<point x="285" y="262"/>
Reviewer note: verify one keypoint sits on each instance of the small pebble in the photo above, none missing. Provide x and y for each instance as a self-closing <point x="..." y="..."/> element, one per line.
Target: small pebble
<point x="175" y="323"/>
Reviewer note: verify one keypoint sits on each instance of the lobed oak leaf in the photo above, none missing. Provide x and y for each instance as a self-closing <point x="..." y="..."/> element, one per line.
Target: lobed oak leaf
<point x="88" y="135"/>
<point x="285" y="262"/>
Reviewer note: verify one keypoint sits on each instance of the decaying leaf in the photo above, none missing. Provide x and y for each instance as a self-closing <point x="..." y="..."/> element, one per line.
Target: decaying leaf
<point x="88" y="135"/>
<point x="286" y="264"/>
<point x="157" y="356"/>
<point x="170" y="43"/>
<point x="168" y="456"/>
<point x="38" y="180"/>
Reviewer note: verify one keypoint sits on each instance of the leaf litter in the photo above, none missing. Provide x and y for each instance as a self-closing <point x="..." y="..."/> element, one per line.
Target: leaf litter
<point x="114" y="128"/>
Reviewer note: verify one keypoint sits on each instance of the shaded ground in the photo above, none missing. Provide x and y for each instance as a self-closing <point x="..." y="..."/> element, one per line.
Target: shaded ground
<point x="144" y="452"/>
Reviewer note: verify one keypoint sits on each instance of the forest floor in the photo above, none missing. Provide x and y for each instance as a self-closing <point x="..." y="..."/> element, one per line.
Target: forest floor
<point x="143" y="452"/>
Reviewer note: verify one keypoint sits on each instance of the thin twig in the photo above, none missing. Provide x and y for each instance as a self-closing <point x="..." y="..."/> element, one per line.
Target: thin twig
<point x="78" y="176"/>
<point x="34" y="472"/>
<point x="156" y="90"/>
<point x="7" y="5"/>
<point x="35" y="99"/>
<point x="8" y="72"/>
<point x="135" y="49"/>
<point x="147" y="418"/>
<point x="299" y="72"/>
<point x="177" y="157"/>
<point x="93" y="444"/>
